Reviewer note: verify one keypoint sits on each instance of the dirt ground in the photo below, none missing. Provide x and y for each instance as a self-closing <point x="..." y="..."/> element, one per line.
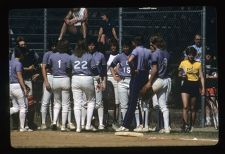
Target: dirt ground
<point x="71" y="139"/>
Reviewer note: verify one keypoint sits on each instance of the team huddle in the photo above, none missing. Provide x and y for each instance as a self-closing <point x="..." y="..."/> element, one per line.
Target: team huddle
<point x="78" y="80"/>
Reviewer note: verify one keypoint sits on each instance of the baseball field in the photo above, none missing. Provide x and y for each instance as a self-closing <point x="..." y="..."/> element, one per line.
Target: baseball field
<point x="207" y="136"/>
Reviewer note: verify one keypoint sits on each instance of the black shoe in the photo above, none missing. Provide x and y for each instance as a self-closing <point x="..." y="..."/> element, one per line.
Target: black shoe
<point x="185" y="128"/>
<point x="54" y="127"/>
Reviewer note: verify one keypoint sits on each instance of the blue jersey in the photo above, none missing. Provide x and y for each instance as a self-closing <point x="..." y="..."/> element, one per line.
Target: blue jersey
<point x="59" y="63"/>
<point x="161" y="58"/>
<point x="82" y="65"/>
<point x="142" y="58"/>
<point x="14" y="67"/>
<point x="100" y="63"/>
<point x="124" y="68"/>
<point x="46" y="57"/>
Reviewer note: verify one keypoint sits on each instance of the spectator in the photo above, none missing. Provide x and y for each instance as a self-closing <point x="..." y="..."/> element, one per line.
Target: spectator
<point x="191" y="71"/>
<point x="107" y="31"/>
<point x="75" y="19"/>
<point x="198" y="47"/>
<point x="211" y="89"/>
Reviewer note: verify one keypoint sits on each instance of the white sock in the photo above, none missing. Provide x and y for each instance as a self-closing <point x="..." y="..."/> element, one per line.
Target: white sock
<point x="64" y="118"/>
<point x="69" y="116"/>
<point x="22" y="119"/>
<point x="89" y="115"/>
<point x="146" y="118"/>
<point x="55" y="115"/>
<point x="77" y="114"/>
<point x="84" y="113"/>
<point x="123" y="111"/>
<point x="50" y="112"/>
<point x="137" y="117"/>
<point x="166" y="118"/>
<point x="100" y="115"/>
<point x="43" y="117"/>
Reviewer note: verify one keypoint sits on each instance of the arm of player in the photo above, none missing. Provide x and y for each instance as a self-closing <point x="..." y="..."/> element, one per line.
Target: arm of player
<point x="148" y="85"/>
<point x="131" y="64"/>
<point x="112" y="66"/>
<point x="44" y="74"/>
<point x="21" y="81"/>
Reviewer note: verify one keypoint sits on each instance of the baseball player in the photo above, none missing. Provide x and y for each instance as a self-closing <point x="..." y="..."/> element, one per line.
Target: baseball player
<point x="159" y="82"/>
<point x="83" y="68"/>
<point x="113" y="54"/>
<point x="47" y="85"/>
<point x="18" y="90"/>
<point x="123" y="77"/>
<point x="139" y="65"/>
<point x="59" y="64"/>
<point x="99" y="80"/>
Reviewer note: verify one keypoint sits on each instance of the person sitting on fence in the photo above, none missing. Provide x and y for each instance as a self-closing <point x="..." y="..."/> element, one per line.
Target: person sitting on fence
<point x="76" y="18"/>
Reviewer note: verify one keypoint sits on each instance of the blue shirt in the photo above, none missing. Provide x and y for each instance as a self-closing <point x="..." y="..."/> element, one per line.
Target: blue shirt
<point x="59" y="63"/>
<point x="46" y="57"/>
<point x="142" y="58"/>
<point x="100" y="63"/>
<point x="124" y="68"/>
<point x="161" y="59"/>
<point x="14" y="67"/>
<point x="82" y="65"/>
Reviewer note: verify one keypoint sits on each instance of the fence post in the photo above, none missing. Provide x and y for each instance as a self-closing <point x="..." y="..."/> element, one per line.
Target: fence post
<point x="203" y="63"/>
<point x="120" y="29"/>
<point x="45" y="30"/>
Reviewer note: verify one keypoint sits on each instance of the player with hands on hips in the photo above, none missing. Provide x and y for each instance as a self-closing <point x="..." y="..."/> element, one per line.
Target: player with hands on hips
<point x="123" y="76"/>
<point x="83" y="68"/>
<point x="59" y="64"/>
<point x="18" y="90"/>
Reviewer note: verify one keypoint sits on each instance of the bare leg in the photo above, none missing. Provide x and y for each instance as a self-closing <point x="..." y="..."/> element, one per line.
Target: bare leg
<point x="193" y="110"/>
<point x="185" y="98"/>
<point x="84" y="30"/>
<point x="63" y="31"/>
<point x="102" y="39"/>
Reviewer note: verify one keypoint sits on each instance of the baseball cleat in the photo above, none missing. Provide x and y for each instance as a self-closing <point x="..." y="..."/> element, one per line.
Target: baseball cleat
<point x="122" y="129"/>
<point x="101" y="127"/>
<point x="71" y="126"/>
<point x="43" y="127"/>
<point x="54" y="127"/>
<point x="90" y="128"/>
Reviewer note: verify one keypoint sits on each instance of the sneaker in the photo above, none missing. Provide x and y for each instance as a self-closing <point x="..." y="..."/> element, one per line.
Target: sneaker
<point x="165" y="130"/>
<point x="90" y="128"/>
<point x="63" y="128"/>
<point x="43" y="127"/>
<point x="138" y="128"/>
<point x="152" y="129"/>
<point x="28" y="129"/>
<point x="145" y="129"/>
<point x="122" y="129"/>
<point x="71" y="126"/>
<point x="101" y="127"/>
<point x="23" y="130"/>
<point x="82" y="127"/>
<point x="191" y="129"/>
<point x="54" y="127"/>
<point x="185" y="129"/>
<point x="114" y="126"/>
<point x="78" y="130"/>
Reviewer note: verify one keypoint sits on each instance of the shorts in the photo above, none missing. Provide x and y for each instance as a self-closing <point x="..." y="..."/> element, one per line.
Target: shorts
<point x="190" y="87"/>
